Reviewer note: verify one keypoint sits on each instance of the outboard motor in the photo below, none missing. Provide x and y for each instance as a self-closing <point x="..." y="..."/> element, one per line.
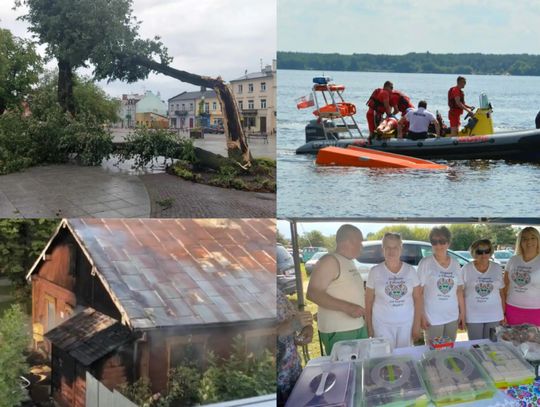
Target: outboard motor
<point x="481" y="123"/>
<point x="314" y="130"/>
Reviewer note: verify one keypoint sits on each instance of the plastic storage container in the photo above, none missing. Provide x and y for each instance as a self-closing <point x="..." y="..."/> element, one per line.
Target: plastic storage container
<point x="453" y="376"/>
<point x="505" y="366"/>
<point x="360" y="349"/>
<point x="353" y="350"/>
<point x="327" y="385"/>
<point x="390" y="382"/>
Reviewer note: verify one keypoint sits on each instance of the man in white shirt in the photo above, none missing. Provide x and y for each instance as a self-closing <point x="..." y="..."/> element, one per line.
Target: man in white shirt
<point x="419" y="120"/>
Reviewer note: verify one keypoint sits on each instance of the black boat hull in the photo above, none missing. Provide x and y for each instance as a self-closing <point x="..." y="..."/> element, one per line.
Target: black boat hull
<point x="516" y="145"/>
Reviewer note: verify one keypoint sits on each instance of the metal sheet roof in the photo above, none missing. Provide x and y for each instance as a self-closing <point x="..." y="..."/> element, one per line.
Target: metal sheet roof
<point x="89" y="335"/>
<point x="171" y="272"/>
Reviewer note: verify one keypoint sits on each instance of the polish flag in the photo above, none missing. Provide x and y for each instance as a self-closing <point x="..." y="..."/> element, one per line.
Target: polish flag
<point x="305" y="102"/>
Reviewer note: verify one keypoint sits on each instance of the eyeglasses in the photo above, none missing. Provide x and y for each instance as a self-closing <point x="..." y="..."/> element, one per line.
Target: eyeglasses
<point x="482" y="251"/>
<point x="435" y="242"/>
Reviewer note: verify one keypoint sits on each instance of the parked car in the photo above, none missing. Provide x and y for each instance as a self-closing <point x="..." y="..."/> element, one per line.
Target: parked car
<point x="502" y="257"/>
<point x="413" y="252"/>
<point x="286" y="279"/>
<point x="309" y="251"/>
<point x="215" y="129"/>
<point x="465" y="253"/>
<point x="310" y="264"/>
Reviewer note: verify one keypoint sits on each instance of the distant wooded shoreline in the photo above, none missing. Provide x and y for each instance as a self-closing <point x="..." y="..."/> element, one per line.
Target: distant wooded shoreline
<point x="476" y="63"/>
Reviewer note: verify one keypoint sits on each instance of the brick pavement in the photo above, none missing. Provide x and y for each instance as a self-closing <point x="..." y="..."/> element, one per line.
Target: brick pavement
<point x="192" y="200"/>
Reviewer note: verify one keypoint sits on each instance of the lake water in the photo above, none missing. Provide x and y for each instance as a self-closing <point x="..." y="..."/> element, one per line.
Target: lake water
<point x="477" y="188"/>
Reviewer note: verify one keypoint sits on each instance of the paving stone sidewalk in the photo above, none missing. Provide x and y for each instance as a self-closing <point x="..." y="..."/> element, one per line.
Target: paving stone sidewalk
<point x="68" y="191"/>
<point x="72" y="191"/>
<point x="173" y="197"/>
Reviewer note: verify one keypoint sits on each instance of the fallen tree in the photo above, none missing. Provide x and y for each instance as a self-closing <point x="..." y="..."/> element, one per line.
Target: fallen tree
<point x="237" y="146"/>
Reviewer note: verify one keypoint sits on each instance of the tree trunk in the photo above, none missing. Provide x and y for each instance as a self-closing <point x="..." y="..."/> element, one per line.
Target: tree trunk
<point x="237" y="146"/>
<point x="65" y="86"/>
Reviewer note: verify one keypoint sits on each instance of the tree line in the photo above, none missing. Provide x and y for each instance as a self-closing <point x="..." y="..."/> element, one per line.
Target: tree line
<point x="474" y="63"/>
<point x="462" y="235"/>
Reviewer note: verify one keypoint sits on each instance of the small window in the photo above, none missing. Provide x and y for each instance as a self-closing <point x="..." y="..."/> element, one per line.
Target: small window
<point x="263" y="103"/>
<point x="240" y="104"/>
<point x="263" y="86"/>
<point x="250" y="87"/>
<point x="191" y="106"/>
<point x="214" y="106"/>
<point x="240" y="88"/>
<point x="251" y="104"/>
<point x="183" y="106"/>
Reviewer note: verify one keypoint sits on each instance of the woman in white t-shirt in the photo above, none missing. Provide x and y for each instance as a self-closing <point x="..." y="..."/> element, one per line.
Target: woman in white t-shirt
<point x="484" y="291"/>
<point x="393" y="297"/>
<point x="442" y="288"/>
<point x="522" y="278"/>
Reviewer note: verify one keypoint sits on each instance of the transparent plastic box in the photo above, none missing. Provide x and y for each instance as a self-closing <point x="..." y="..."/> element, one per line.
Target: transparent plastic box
<point x="360" y="349"/>
<point x="503" y="364"/>
<point x="390" y="382"/>
<point x="453" y="376"/>
<point x="326" y="385"/>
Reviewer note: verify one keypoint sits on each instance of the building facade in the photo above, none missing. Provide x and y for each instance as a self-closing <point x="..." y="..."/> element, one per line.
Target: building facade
<point x="195" y="109"/>
<point x="255" y="94"/>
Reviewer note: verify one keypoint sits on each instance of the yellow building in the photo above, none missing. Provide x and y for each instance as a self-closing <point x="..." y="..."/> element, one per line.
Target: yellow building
<point x="151" y="120"/>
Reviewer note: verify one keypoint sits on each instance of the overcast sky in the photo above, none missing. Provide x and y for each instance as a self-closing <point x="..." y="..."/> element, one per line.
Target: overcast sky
<point x="399" y="27"/>
<point x="214" y="38"/>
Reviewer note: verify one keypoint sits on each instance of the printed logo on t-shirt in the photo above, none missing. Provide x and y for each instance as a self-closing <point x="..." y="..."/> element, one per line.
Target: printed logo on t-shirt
<point x="395" y="290"/>
<point x="445" y="284"/>
<point x="521" y="278"/>
<point x="483" y="289"/>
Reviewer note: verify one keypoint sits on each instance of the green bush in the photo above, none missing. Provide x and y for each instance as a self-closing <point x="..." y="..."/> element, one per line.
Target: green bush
<point x="52" y="136"/>
<point x="243" y="374"/>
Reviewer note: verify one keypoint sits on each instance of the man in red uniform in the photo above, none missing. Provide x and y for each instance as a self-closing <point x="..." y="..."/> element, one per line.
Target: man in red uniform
<point x="456" y="102"/>
<point x="379" y="103"/>
<point x="401" y="102"/>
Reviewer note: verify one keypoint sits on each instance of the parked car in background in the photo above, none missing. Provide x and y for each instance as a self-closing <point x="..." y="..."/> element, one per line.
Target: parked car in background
<point x="310" y="264"/>
<point x="465" y="253"/>
<point x="413" y="252"/>
<point x="309" y="251"/>
<point x="502" y="257"/>
<point x="286" y="279"/>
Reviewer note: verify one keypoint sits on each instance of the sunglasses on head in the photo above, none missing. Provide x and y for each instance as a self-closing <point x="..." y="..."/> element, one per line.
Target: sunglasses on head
<point x="435" y="242"/>
<point x="482" y="251"/>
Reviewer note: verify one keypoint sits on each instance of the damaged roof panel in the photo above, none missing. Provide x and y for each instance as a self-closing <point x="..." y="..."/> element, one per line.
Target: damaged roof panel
<point x="89" y="335"/>
<point x="168" y="272"/>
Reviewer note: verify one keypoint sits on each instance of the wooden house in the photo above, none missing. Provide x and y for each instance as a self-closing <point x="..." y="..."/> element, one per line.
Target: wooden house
<point x="121" y="298"/>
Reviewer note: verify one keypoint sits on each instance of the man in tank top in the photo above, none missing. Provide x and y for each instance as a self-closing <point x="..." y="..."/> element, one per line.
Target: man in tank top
<point x="338" y="289"/>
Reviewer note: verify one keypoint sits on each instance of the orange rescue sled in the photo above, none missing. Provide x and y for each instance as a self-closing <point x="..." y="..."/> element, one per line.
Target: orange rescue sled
<point x="335" y="110"/>
<point x="366" y="157"/>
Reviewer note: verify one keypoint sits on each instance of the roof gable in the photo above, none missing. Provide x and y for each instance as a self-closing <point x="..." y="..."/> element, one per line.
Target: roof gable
<point x="173" y="272"/>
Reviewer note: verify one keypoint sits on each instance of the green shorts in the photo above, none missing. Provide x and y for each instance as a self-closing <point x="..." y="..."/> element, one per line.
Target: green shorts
<point x="328" y="339"/>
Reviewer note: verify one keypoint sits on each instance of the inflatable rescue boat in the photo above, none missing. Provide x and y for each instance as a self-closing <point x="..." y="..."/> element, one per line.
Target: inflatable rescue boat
<point x="476" y="140"/>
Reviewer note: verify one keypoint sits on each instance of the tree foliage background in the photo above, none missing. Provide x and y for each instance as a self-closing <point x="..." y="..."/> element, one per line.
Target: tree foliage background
<point x="20" y="67"/>
<point x="14" y="339"/>
<point x="462" y="235"/>
<point x="21" y="242"/>
<point x="475" y="63"/>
